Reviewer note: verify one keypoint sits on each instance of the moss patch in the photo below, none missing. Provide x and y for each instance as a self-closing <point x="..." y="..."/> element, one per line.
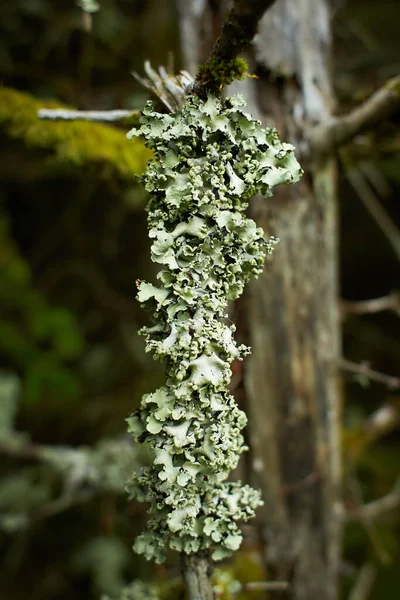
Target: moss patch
<point x="219" y="73"/>
<point x="72" y="145"/>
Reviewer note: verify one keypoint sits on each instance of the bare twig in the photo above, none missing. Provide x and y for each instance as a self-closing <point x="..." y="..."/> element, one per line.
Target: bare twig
<point x="364" y="584"/>
<point x="375" y="208"/>
<point x="339" y="130"/>
<point x="267" y="586"/>
<point x="364" y="370"/>
<point x="108" y="116"/>
<point x="375" y="305"/>
<point x="240" y="26"/>
<point x="377" y="508"/>
<point x="385" y="419"/>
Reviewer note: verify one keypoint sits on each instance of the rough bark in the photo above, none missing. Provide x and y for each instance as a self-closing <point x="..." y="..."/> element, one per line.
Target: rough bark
<point x="293" y="400"/>
<point x="292" y="312"/>
<point x="196" y="575"/>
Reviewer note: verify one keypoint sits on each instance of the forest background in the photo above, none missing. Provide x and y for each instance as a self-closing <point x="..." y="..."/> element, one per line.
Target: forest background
<point x="72" y="243"/>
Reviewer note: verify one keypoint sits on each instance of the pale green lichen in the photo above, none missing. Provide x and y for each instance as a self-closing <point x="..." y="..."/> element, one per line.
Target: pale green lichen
<point x="210" y="158"/>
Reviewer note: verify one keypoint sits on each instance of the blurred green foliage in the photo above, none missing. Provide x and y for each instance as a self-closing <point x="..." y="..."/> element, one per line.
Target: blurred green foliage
<point x="37" y="339"/>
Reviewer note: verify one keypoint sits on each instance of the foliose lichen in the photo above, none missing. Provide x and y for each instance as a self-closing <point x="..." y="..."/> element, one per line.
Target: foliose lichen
<point x="209" y="159"/>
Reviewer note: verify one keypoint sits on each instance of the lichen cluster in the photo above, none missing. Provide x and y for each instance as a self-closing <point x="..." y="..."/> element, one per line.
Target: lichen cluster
<point x="209" y="159"/>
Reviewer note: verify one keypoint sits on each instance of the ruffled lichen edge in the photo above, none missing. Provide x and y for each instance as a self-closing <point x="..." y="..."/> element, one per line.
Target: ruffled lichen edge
<point x="209" y="159"/>
<point x="70" y="146"/>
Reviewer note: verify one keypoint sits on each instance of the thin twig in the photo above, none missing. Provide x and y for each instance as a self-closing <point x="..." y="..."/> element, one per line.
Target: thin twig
<point x="385" y="419"/>
<point x="363" y="369"/>
<point x="377" y="508"/>
<point x="108" y="116"/>
<point x="363" y="586"/>
<point x="375" y="208"/>
<point x="375" y="305"/>
<point x="339" y="130"/>
<point x="267" y="586"/>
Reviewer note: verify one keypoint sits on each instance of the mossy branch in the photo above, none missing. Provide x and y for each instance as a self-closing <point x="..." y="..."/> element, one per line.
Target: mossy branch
<point x="70" y="146"/>
<point x="223" y="66"/>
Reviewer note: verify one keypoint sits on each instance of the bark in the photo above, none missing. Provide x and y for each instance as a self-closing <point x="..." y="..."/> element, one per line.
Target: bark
<point x="196" y="574"/>
<point x="293" y="322"/>
<point x="292" y="316"/>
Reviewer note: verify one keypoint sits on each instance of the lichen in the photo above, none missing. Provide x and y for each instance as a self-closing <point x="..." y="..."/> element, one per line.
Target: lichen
<point x="70" y="146"/>
<point x="209" y="159"/>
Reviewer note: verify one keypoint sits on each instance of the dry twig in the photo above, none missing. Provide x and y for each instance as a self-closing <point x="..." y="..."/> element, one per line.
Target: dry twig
<point x="375" y="305"/>
<point x="108" y="116"/>
<point x="328" y="136"/>
<point x="364" y="370"/>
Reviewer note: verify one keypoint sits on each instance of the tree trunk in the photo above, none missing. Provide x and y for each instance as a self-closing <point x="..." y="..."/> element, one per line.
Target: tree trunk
<point x="293" y="325"/>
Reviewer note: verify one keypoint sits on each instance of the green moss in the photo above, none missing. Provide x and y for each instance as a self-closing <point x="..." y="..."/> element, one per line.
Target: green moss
<point x="70" y="145"/>
<point x="218" y="73"/>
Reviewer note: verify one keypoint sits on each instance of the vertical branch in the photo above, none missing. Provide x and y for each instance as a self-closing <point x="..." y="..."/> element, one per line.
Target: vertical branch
<point x="196" y="575"/>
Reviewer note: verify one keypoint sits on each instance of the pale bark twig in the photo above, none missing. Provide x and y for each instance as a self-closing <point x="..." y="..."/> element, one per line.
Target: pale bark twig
<point x="385" y="419"/>
<point x="364" y="584"/>
<point x="197" y="577"/>
<point x="362" y="307"/>
<point x="342" y="129"/>
<point x="377" y="508"/>
<point x="363" y="369"/>
<point x="108" y="116"/>
<point x="267" y="586"/>
<point x="375" y="208"/>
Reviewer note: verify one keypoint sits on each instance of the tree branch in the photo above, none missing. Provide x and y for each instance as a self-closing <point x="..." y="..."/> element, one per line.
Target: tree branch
<point x="239" y="28"/>
<point x="364" y="370"/>
<point x="195" y="568"/>
<point x="365" y="581"/>
<point x="266" y="586"/>
<point x="373" y="205"/>
<point x="328" y="136"/>
<point x="375" y="305"/>
<point x="109" y="116"/>
<point x="85" y="473"/>
<point x="377" y="508"/>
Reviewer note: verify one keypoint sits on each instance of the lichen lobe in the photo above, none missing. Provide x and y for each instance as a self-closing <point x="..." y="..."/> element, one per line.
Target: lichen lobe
<point x="209" y="159"/>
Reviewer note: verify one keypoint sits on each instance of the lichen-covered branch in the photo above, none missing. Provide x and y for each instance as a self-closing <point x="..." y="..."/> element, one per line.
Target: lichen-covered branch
<point x="328" y="136"/>
<point x="223" y="66"/>
<point x="210" y="159"/>
<point x="84" y="473"/>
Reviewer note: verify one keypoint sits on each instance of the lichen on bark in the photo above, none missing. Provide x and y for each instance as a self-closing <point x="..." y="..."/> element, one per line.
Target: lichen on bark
<point x="209" y="159"/>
